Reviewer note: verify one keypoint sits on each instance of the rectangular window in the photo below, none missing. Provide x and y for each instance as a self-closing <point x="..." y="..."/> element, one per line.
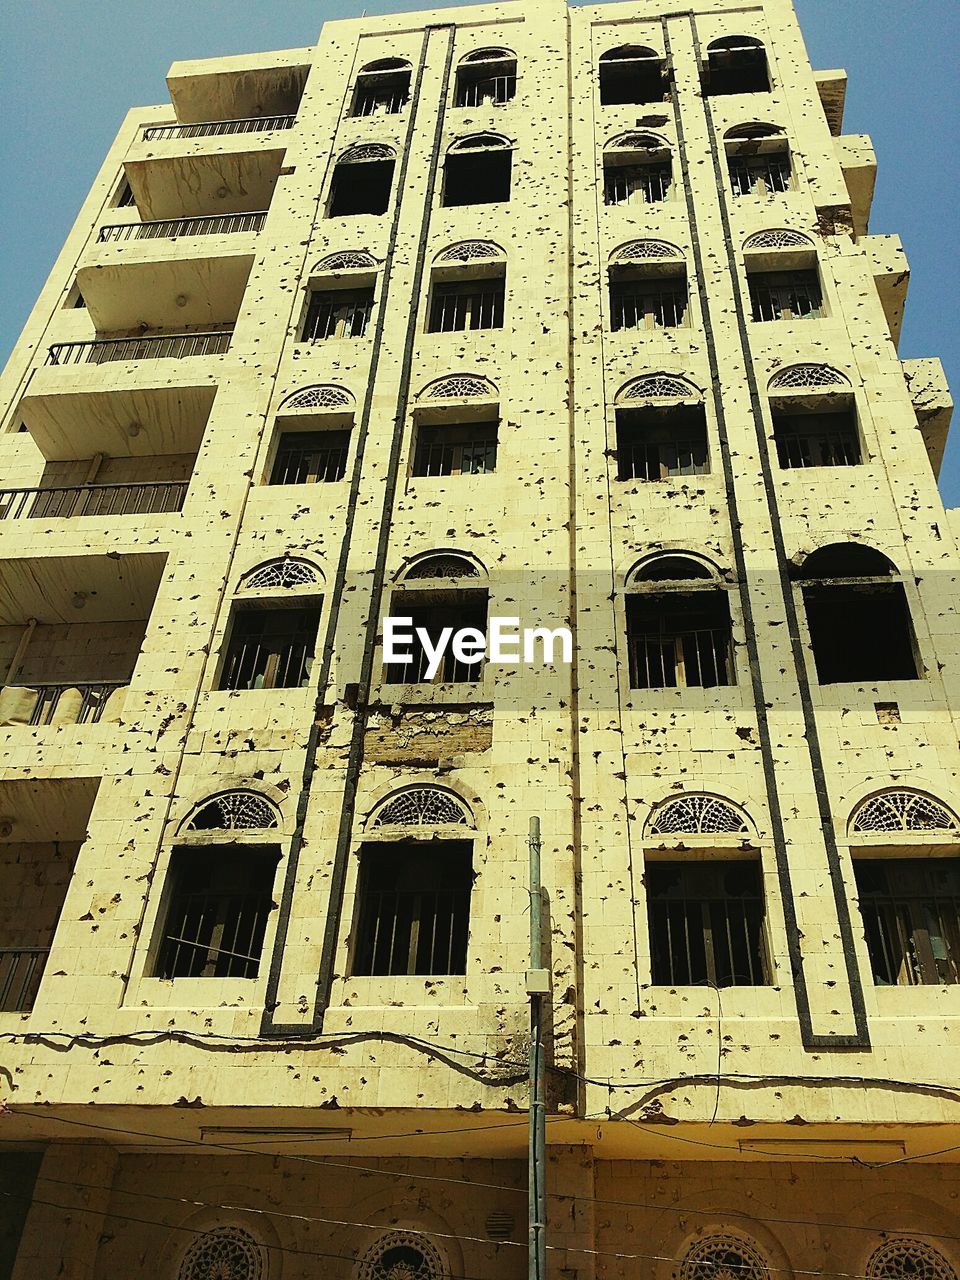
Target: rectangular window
<point x="706" y="923"/>
<point x="648" y="303"/>
<point x="911" y="915"/>
<point x="414" y="908"/>
<point x="467" y="449"/>
<point x="477" y="177"/>
<point x="636" y="183"/>
<point x="217" y="915"/>
<point x="472" y="304"/>
<point x="487" y="82"/>
<point x="337" y="313"/>
<point x="817" y="439"/>
<point x="434" y="612"/>
<point x="270" y="648"/>
<point x="381" y="93"/>
<point x="760" y="175"/>
<point x="654" y="444"/>
<point x="679" y="639"/>
<point x="860" y="632"/>
<point x="785" y="295"/>
<point x="311" y="457"/>
<point x="363" y="187"/>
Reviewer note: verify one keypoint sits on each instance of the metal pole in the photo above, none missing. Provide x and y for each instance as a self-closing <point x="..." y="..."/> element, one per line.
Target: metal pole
<point x="537" y="986"/>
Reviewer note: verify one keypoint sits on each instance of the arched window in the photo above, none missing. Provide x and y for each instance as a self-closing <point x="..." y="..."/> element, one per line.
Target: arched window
<point x="633" y="74"/>
<point x="235" y="811"/>
<point x="906" y="1259"/>
<point x="402" y="1255"/>
<point x="637" y="169"/>
<point x="661" y="429"/>
<point x="486" y="78"/>
<point x="421" y="806"/>
<point x="445" y="640"/>
<point x="272" y="647"/>
<point x="468" y="282"/>
<point x="758" y="159"/>
<point x="718" y="1256"/>
<point x="317" y="397"/>
<point x="736" y="64"/>
<point x="227" y="1253"/>
<point x="648" y="286"/>
<point x="808" y="376"/>
<point x="698" y="814"/>
<point x="814" y="417"/>
<point x="383" y="88"/>
<point x="678" y="626"/>
<point x="362" y="180"/>
<point x="284" y="575"/>
<point x="902" y="809"/>
<point x="477" y="170"/>
<point x="857" y="616"/>
<point x="312" y="437"/>
<point x="458" y="439"/>
<point x="460" y="386"/>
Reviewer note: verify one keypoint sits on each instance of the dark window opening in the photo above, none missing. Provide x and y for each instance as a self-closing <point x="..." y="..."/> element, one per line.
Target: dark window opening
<point x="270" y="648"/>
<point x="823" y="439"/>
<point x="679" y="639"/>
<point x="217" y="914"/>
<point x="636" y="183"/>
<point x="456" y="449"/>
<point x="414" y="908"/>
<point x="337" y="313"/>
<point x="383" y="88"/>
<point x="434" y="612"/>
<point x="311" y="457"/>
<point x="760" y="175"/>
<point x="911" y="916"/>
<point x="486" y="79"/>
<point x="477" y="177"/>
<point x="647" y="302"/>
<point x="124" y="198"/>
<point x="633" y="75"/>
<point x="468" y="304"/>
<point x="736" y="64"/>
<point x="785" y="295"/>
<point x="860" y="632"/>
<point x="654" y="444"/>
<point x="706" y="924"/>
<point x="362" y="187"/>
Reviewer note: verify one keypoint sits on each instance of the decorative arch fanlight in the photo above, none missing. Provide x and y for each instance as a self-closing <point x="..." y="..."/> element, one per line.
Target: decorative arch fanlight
<point x="908" y="1259"/>
<point x="902" y="809"/>
<point x="402" y="1255"/>
<point x="284" y="575"/>
<point x="235" y="811"/>
<point x="481" y="142"/>
<point x="644" y="251"/>
<point x="386" y="64"/>
<point x="658" y="386"/>
<point x="734" y="44"/>
<point x="422" y="806"/>
<point x="638" y="142"/>
<point x="346" y="260"/>
<point x="470" y="251"/>
<point x="460" y="386"/>
<point x="443" y="564"/>
<point x="321" y="396"/>
<point x="698" y="815"/>
<point x="673" y="566"/>
<point x="720" y="1256"/>
<point x="487" y="55"/>
<point x="227" y="1252"/>
<point x="362" y="151"/>
<point x="808" y="375"/>
<point x="753" y="132"/>
<point x="778" y="238"/>
<point x="631" y="53"/>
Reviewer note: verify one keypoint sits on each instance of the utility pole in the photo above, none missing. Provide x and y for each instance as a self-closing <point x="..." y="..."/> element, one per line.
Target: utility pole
<point x="538" y="987"/>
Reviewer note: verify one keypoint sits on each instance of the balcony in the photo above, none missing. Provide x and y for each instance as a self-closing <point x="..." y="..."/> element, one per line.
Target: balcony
<point x="832" y="90"/>
<point x="859" y="164"/>
<point x="176" y="228"/>
<point x="216" y="128"/>
<point x="159" y="346"/>
<point x="45" y="704"/>
<point x="888" y="264"/>
<point x="67" y="501"/>
<point x="247" y="85"/>
<point x="932" y="403"/>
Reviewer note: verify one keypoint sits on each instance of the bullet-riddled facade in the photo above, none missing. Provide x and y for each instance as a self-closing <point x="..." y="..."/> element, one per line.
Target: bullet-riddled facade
<point x="565" y="316"/>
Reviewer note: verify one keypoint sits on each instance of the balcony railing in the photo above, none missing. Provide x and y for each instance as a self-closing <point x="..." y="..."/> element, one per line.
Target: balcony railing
<point x="21" y="969"/>
<point x="43" y="704"/>
<point x="93" y="500"/>
<point x="216" y="128"/>
<point x="170" y="346"/>
<point x="221" y="224"/>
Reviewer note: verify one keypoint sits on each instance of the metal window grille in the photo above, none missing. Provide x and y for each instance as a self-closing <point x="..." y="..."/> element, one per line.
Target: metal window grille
<point x="636" y="183"/>
<point x="311" y="457"/>
<point x="760" y="175"/>
<point x="270" y="649"/>
<point x="93" y="700"/>
<point x="216" y="128"/>
<point x="457" y="307"/>
<point x="459" y="609"/>
<point x="172" y="346"/>
<point x="403" y="1255"/>
<point x="655" y="444"/>
<point x="648" y="305"/>
<point x="217" y="914"/>
<point x="816" y="440"/>
<point x="171" y="228"/>
<point x="901" y="809"/>
<point x="721" y="1257"/>
<point x="21" y="969"/>
<point x="225" y="1252"/>
<point x="381" y="93"/>
<point x="785" y="295"/>
<point x="414" y="909"/>
<point x="905" y="1259"/>
<point x="911" y="916"/>
<point x="469" y="450"/>
<point x="341" y="313"/>
<point x="479" y="90"/>
<point x="706" y="923"/>
<point x="93" y="500"/>
<point x="678" y="640"/>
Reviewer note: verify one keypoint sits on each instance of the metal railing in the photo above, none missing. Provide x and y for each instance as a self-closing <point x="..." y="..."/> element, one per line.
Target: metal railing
<point x="458" y="311"/>
<point x="216" y="128"/>
<point x="218" y="224"/>
<point x="649" y="309"/>
<point x="21" y="969"/>
<point x="701" y="941"/>
<point x="684" y="659"/>
<point x="637" y="184"/>
<point x="341" y="314"/>
<point x="404" y="932"/>
<point x="760" y="175"/>
<point x="173" y="346"/>
<point x="381" y="102"/>
<point x="316" y="458"/>
<point x="796" y="299"/>
<point x="644" y="460"/>
<point x="437" y="456"/>
<point x="92" y="500"/>
<point x="491" y="91"/>
<point x="811" y="448"/>
<point x="214" y="935"/>
<point x="66" y="703"/>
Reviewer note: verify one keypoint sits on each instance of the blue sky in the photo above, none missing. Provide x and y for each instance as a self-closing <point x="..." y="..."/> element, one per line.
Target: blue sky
<point x="71" y="68"/>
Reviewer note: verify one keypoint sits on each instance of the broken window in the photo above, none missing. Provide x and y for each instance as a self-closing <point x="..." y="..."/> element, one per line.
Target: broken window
<point x="706" y="923"/>
<point x="311" y="457"/>
<point x="477" y="170"/>
<point x="760" y="175"/>
<point x="124" y="196"/>
<point x="414" y="908"/>
<point x="639" y="300"/>
<point x="383" y="88"/>
<point x="647" y="183"/>
<point x="337" y="313"/>
<point x="476" y="303"/>
<point x="736" y="64"/>
<point x="486" y="78"/>
<point x="678" y="627"/>
<point x="435" y="612"/>
<point x="911" y="916"/>
<point x="633" y="74"/>
<point x="270" y="648"/>
<point x="219" y="900"/>
<point x="362" y="181"/>
<point x="456" y="449"/>
<point x="655" y="443"/>
<point x="785" y="295"/>
<point x="857" y="616"/>
<point x="825" y="437"/>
